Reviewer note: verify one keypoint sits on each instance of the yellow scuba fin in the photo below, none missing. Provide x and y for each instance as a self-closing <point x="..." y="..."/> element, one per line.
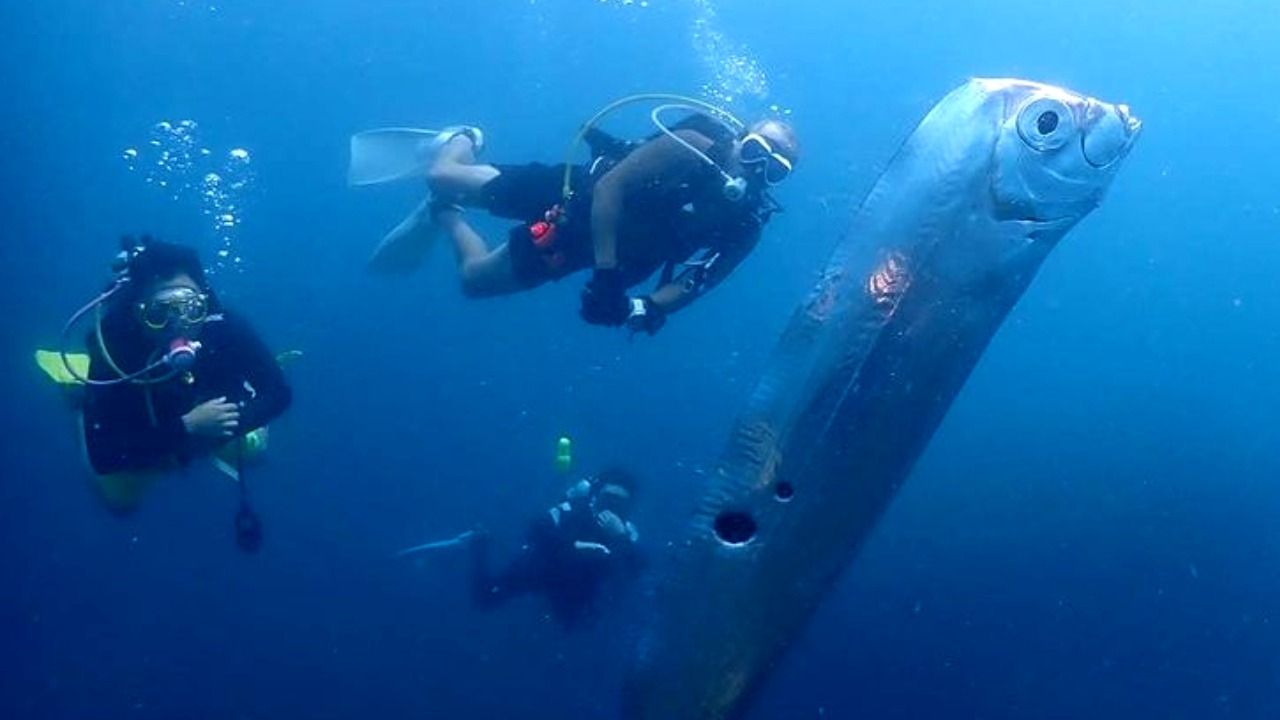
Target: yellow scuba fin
<point x="122" y="492"/>
<point x="50" y="361"/>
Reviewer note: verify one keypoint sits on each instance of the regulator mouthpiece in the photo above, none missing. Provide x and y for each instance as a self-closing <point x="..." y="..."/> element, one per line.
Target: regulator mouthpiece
<point x="182" y="353"/>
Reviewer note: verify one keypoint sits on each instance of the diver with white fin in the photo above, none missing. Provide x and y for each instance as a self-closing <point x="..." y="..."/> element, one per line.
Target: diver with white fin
<point x="691" y="201"/>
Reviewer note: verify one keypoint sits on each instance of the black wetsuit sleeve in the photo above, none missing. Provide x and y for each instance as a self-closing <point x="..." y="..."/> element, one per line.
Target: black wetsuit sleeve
<point x="118" y="431"/>
<point x="544" y="534"/>
<point x="686" y="286"/>
<point x="271" y="394"/>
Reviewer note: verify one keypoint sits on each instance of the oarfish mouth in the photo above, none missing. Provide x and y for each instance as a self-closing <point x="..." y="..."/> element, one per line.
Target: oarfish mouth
<point x="1110" y="136"/>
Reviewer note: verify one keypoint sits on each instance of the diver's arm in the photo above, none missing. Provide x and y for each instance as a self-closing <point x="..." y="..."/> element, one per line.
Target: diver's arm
<point x="676" y="294"/>
<point x="271" y="392"/>
<point x="606" y="208"/>
<point x="691" y="283"/>
<point x="659" y="161"/>
<point x="593" y="548"/>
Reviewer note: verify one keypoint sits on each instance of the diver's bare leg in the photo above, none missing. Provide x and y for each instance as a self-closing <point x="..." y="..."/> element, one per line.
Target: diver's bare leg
<point x="483" y="272"/>
<point x="455" y="174"/>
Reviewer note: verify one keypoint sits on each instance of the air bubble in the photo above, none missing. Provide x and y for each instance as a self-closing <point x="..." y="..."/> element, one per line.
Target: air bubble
<point x="215" y="182"/>
<point x="734" y="72"/>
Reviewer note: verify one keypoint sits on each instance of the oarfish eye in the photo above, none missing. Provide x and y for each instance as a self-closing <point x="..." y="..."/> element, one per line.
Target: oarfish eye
<point x="1046" y="124"/>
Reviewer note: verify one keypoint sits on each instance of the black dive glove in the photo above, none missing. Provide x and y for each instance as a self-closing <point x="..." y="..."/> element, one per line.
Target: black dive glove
<point x="604" y="299"/>
<point x="645" y="316"/>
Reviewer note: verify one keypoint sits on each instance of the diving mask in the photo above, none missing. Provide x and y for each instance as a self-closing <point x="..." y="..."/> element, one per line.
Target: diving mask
<point x="756" y="149"/>
<point x="184" y="305"/>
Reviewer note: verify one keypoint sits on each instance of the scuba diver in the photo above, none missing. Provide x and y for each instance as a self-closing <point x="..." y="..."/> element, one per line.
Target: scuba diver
<point x="571" y="553"/>
<point x="171" y="376"/>
<point x="691" y="200"/>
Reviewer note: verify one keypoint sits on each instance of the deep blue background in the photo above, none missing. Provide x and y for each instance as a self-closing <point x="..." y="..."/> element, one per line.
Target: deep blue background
<point x="1091" y="534"/>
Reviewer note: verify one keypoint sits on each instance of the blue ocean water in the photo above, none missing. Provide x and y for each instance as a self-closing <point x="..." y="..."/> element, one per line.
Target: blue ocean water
<point x="1090" y="534"/>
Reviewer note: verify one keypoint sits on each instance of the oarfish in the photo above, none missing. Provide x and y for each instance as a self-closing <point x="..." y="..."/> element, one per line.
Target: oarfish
<point x="937" y="254"/>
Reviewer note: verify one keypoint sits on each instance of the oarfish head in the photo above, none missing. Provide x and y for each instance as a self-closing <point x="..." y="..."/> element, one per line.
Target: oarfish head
<point x="1056" y="152"/>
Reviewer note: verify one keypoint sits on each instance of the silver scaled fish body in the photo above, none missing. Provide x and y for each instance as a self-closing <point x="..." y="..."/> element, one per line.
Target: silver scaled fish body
<point x="936" y="256"/>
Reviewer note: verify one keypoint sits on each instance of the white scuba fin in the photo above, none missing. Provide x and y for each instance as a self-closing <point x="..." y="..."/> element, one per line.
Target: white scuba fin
<point x="404" y="248"/>
<point x="458" y="541"/>
<point x="390" y="154"/>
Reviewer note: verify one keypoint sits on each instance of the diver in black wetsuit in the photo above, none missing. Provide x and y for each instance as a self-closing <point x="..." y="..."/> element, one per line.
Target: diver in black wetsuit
<point x="690" y="201"/>
<point x="172" y="374"/>
<point x="571" y="553"/>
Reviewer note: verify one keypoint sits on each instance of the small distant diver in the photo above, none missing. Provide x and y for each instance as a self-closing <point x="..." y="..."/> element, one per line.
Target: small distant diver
<point x="692" y="200"/>
<point x="572" y="553"/>
<point x="170" y="376"/>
